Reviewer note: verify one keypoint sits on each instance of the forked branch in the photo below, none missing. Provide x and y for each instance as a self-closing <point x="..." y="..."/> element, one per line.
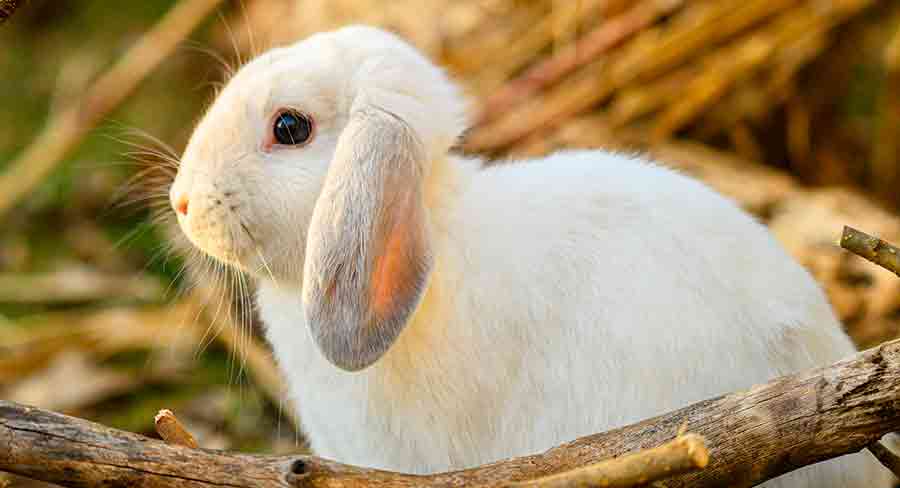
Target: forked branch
<point x="752" y="436"/>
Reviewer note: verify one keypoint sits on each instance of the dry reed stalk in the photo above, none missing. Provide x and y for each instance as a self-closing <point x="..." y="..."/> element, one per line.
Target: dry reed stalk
<point x="799" y="143"/>
<point x="712" y="84"/>
<point x="745" y="143"/>
<point x="892" y="53"/>
<point x="748" y="55"/>
<point x="570" y="97"/>
<point x="472" y="54"/>
<point x="793" y="55"/>
<point x="597" y="42"/>
<point x="752" y="98"/>
<point x="635" y="102"/>
<point x="727" y="19"/>
<point x="525" y="49"/>
<point x="886" y="150"/>
<point x="595" y="81"/>
<point x="65" y="130"/>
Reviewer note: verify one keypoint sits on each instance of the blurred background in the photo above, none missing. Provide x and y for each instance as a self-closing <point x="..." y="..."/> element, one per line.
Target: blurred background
<point x="791" y="107"/>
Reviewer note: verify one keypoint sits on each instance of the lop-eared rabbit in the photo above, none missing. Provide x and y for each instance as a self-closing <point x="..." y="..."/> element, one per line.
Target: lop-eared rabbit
<point x="432" y="314"/>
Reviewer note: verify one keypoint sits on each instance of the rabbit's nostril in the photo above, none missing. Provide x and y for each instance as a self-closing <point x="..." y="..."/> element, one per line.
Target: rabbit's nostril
<point x="181" y="205"/>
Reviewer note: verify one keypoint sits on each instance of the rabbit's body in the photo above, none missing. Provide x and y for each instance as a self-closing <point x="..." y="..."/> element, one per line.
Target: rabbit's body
<point x="567" y="300"/>
<point x="430" y="314"/>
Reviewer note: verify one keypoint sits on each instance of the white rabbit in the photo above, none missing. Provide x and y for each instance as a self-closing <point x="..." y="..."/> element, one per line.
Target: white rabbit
<point x="432" y="314"/>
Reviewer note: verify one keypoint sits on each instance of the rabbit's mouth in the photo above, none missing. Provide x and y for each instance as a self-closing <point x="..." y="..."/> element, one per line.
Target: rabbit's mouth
<point x="226" y="220"/>
<point x="217" y="239"/>
<point x="214" y="224"/>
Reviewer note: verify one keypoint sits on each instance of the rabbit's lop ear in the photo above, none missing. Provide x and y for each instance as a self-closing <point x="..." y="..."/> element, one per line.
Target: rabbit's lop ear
<point x="367" y="255"/>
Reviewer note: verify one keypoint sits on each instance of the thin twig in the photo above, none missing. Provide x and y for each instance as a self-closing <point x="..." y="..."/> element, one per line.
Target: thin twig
<point x="573" y="56"/>
<point x="872" y="248"/>
<point x="65" y="130"/>
<point x="683" y="454"/>
<point x="888" y="257"/>
<point x="170" y="429"/>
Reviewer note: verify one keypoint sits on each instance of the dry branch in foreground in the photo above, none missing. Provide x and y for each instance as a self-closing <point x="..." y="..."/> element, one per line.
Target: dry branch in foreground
<point x="752" y="436"/>
<point x="685" y="454"/>
<point x="872" y="248"/>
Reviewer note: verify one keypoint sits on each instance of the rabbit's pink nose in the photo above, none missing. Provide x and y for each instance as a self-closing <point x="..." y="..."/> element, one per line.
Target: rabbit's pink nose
<point x="181" y="204"/>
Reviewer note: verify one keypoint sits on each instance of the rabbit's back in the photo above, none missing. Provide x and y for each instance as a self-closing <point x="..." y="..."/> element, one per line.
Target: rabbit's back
<point x="571" y="295"/>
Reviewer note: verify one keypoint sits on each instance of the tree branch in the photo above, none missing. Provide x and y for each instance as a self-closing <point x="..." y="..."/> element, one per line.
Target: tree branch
<point x="872" y="248"/>
<point x="685" y="454"/>
<point x="752" y="436"/>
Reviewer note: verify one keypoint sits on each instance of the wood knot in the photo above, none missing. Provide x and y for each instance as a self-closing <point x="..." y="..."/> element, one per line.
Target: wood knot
<point x="298" y="467"/>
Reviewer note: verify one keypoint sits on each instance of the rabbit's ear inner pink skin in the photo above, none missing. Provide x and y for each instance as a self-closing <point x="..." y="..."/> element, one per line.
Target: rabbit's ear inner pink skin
<point x="368" y="255"/>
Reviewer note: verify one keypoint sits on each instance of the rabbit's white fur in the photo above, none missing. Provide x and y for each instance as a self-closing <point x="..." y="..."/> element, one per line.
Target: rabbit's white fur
<point x="565" y="296"/>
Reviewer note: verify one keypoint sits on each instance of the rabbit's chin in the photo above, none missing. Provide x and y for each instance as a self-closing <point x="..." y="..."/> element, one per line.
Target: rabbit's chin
<point x="254" y="262"/>
<point x="223" y="247"/>
<point x="227" y="256"/>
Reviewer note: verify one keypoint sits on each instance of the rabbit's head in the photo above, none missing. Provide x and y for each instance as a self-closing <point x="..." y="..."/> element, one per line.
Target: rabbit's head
<point x="310" y="167"/>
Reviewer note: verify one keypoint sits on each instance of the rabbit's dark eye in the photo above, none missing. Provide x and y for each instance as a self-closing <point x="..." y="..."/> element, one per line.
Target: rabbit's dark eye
<point x="292" y="128"/>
